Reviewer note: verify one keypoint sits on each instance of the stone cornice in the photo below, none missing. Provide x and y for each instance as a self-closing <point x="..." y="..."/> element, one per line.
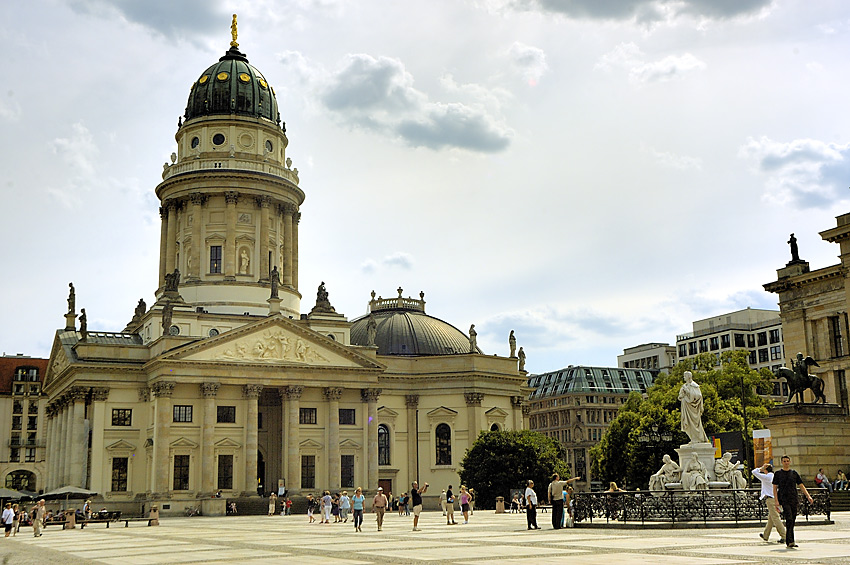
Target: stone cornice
<point x="805" y="279"/>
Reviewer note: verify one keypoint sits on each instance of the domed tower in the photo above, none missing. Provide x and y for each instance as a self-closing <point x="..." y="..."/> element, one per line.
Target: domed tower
<point x="230" y="199"/>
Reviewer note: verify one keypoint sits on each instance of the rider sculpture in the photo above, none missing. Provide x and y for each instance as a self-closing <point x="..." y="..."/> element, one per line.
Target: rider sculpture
<point x="799" y="379"/>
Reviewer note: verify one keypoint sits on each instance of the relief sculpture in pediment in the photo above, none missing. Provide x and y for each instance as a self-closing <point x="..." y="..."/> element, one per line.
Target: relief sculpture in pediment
<point x="272" y="345"/>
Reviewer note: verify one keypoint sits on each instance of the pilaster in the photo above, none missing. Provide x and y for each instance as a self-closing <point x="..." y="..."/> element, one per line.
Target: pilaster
<point x="370" y="397"/>
<point x="209" y="392"/>
<point x="252" y="393"/>
<point x="162" y="393"/>
<point x="332" y="396"/>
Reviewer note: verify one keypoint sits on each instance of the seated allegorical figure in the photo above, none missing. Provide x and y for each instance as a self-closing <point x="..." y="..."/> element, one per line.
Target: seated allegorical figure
<point x="668" y="473"/>
<point x="694" y="474"/>
<point x="728" y="471"/>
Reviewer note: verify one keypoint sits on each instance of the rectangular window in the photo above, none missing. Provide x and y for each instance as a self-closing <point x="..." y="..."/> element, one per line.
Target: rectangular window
<point x="751" y="341"/>
<point x="346" y="416"/>
<point x="32" y="408"/>
<point x="762" y="338"/>
<point x="752" y="357"/>
<point x="17" y="422"/>
<point x="306" y="416"/>
<point x="119" y="474"/>
<point x="725" y="342"/>
<point x="122" y="417"/>
<point x="32" y="422"/>
<point x="776" y="388"/>
<point x="346" y="466"/>
<point x="308" y="471"/>
<point x="15" y="455"/>
<point x="703" y="345"/>
<point x="775" y="352"/>
<point x="225" y="472"/>
<point x="692" y="348"/>
<point x="226" y="415"/>
<point x="739" y="340"/>
<point x="763" y="356"/>
<point x="183" y="413"/>
<point x="715" y="343"/>
<point x="34" y="390"/>
<point x="17" y="407"/>
<point x="181" y="472"/>
<point x="18" y="389"/>
<point x="29" y="455"/>
<point x="215" y="258"/>
<point x="774" y="336"/>
<point x="837" y="335"/>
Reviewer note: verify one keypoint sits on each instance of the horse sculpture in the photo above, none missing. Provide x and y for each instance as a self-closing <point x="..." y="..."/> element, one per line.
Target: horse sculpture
<point x="799" y="379"/>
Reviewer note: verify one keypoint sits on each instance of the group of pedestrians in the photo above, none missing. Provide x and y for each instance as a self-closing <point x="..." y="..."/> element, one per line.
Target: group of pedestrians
<point x="779" y="491"/>
<point x="14" y="517"/>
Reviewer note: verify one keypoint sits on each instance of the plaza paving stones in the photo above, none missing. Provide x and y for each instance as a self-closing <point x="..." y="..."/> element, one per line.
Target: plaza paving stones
<point x="488" y="539"/>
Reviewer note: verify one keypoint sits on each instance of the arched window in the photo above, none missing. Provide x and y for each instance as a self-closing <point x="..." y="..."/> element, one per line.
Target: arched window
<point x="494" y="428"/>
<point x="383" y="445"/>
<point x="21" y="480"/>
<point x="443" y="436"/>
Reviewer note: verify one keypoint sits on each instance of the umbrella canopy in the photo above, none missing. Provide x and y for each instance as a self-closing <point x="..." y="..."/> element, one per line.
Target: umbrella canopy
<point x="11" y="494"/>
<point x="68" y="492"/>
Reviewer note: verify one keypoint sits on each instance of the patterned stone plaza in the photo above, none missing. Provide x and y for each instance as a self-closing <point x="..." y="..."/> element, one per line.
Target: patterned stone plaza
<point x="489" y="537"/>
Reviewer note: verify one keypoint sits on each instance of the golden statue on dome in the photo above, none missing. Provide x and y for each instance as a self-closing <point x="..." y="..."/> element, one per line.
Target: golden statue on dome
<point x="233" y="32"/>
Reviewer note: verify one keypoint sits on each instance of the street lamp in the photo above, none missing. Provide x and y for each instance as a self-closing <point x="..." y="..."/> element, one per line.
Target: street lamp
<point x="746" y="427"/>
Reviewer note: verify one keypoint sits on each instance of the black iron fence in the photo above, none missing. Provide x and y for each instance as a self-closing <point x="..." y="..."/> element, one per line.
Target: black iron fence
<point x="728" y="505"/>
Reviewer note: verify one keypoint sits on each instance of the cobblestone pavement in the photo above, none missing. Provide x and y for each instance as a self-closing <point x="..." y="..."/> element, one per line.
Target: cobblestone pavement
<point x="488" y="538"/>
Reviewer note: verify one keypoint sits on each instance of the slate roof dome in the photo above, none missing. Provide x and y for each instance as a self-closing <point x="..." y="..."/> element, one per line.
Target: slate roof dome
<point x="403" y="328"/>
<point x="232" y="86"/>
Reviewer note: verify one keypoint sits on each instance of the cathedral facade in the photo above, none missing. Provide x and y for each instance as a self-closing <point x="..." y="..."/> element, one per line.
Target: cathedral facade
<point x="223" y="384"/>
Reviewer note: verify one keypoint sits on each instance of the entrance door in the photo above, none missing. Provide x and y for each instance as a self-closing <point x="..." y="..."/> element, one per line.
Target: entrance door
<point x="262" y="487"/>
<point x="387" y="485"/>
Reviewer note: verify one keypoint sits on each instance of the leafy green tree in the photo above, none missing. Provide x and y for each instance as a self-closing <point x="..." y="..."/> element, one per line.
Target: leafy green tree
<point x="621" y="457"/>
<point x="503" y="460"/>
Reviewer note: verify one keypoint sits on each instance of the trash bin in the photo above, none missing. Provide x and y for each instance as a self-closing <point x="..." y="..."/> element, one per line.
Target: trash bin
<point x="500" y="505"/>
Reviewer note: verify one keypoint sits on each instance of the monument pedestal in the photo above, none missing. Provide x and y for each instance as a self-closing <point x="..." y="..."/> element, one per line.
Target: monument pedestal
<point x="704" y="452"/>
<point x="274" y="306"/>
<point x="812" y="435"/>
<point x="70" y="322"/>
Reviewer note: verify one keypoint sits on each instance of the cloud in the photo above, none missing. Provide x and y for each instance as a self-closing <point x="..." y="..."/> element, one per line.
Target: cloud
<point x="10" y="110"/>
<point x="640" y="11"/>
<point x="528" y="61"/>
<point x="377" y="94"/>
<point x="673" y="161"/>
<point x="174" y="20"/>
<point x="398" y="259"/>
<point x="803" y="172"/>
<point x="629" y="57"/>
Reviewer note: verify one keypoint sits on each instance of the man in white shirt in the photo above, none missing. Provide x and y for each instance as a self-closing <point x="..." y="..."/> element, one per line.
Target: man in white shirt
<point x="765" y="475"/>
<point x="8" y="518"/>
<point x="531" y="505"/>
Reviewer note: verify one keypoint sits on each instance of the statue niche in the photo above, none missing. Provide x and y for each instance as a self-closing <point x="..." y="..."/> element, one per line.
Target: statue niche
<point x="244" y="261"/>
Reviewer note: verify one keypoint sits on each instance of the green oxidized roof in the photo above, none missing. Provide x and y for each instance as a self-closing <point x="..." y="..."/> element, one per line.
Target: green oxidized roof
<point x="232" y="86"/>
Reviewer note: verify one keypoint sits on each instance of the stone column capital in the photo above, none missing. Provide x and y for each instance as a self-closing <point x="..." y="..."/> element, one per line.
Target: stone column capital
<point x="288" y="208"/>
<point x="411" y="400"/>
<point x="144" y="394"/>
<point x="370" y="394"/>
<point x="209" y="390"/>
<point x="252" y="390"/>
<point x="170" y="204"/>
<point x="198" y="199"/>
<point x="263" y="201"/>
<point x="526" y="409"/>
<point x="77" y="394"/>
<point x="332" y="393"/>
<point x="297" y="217"/>
<point x="231" y="197"/>
<point x="473" y="398"/>
<point x="100" y="394"/>
<point x="163" y="389"/>
<point x="292" y="392"/>
<point x="517" y="401"/>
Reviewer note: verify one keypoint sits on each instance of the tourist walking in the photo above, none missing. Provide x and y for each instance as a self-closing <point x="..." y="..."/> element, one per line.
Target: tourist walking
<point x="8" y="518"/>
<point x="272" y="500"/>
<point x="344" y="506"/>
<point x="765" y="476"/>
<point x="379" y="506"/>
<point x="38" y="518"/>
<point x="416" y="499"/>
<point x="450" y="507"/>
<point x="357" y="507"/>
<point x="531" y="506"/>
<point x="335" y="508"/>
<point x="471" y="502"/>
<point x="443" y="501"/>
<point x="464" y="503"/>
<point x="16" y="523"/>
<point x="326" y="507"/>
<point x="785" y="482"/>
<point x="311" y="508"/>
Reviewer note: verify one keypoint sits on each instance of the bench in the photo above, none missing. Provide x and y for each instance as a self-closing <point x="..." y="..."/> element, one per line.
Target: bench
<point x="128" y="520"/>
<point x="55" y="523"/>
<point x="83" y="523"/>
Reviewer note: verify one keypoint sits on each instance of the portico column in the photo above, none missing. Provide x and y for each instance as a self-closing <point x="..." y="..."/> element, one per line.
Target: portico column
<point x="264" y="202"/>
<point x="97" y="418"/>
<point x="162" y="392"/>
<point x="252" y="393"/>
<point x="67" y="440"/>
<point x="332" y="395"/>
<point x="473" y="407"/>
<point x="78" y="436"/>
<point x="293" y="438"/>
<point x="170" y="238"/>
<point x="412" y="402"/>
<point x="516" y="402"/>
<point x="370" y="397"/>
<point x="296" y="219"/>
<point x="288" y="211"/>
<point x="230" y="197"/>
<point x="194" y="259"/>
<point x="163" y="239"/>
<point x="47" y="444"/>
<point x="209" y="392"/>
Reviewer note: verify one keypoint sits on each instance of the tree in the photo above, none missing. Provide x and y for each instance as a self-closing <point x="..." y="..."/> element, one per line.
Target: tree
<point x="621" y="457"/>
<point x="503" y="460"/>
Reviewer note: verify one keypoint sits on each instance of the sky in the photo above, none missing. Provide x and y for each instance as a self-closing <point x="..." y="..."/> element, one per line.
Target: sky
<point x="593" y="174"/>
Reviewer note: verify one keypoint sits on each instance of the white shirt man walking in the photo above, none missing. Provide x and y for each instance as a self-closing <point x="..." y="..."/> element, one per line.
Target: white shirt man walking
<point x="765" y="475"/>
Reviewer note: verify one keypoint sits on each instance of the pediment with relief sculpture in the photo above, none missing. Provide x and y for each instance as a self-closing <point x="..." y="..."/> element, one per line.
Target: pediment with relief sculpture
<point x="58" y="361"/>
<point x="275" y="340"/>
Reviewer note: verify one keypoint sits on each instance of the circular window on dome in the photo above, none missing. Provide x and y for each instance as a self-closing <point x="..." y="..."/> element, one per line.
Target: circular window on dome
<point x="218" y="139"/>
<point x="244" y="77"/>
<point x="213" y="332"/>
<point x="204" y="79"/>
<point x="269" y="146"/>
<point x="195" y="142"/>
<point x="222" y="76"/>
<point x="263" y="83"/>
<point x="174" y="330"/>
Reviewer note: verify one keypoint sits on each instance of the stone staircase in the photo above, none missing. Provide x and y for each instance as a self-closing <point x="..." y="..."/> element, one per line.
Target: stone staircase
<point x="840" y="501"/>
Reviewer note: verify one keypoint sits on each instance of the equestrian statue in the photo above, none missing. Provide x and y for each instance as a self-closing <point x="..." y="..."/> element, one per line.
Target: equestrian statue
<point x="799" y="379"/>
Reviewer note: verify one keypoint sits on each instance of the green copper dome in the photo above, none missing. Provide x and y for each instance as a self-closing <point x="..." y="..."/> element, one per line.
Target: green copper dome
<point x="232" y="86"/>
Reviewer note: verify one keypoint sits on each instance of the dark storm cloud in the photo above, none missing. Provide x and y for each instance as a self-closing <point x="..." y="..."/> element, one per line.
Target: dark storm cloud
<point x="643" y="10"/>
<point x="183" y="19"/>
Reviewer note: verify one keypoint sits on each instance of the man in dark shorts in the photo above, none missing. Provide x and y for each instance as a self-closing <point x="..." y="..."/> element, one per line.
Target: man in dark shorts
<point x="416" y="500"/>
<point x="785" y="483"/>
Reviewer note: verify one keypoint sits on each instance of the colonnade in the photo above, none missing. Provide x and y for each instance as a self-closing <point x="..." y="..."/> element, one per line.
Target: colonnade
<point x="280" y="218"/>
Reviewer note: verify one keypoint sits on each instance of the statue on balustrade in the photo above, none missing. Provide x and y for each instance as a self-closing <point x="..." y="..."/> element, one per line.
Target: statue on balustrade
<point x="728" y="471"/>
<point x="668" y="473"/>
<point x="694" y="474"/>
